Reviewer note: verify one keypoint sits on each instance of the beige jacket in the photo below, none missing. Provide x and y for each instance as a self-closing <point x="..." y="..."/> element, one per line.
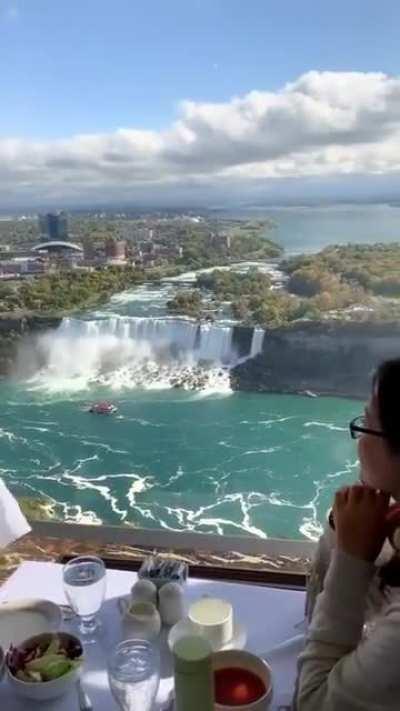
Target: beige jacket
<point x="377" y="600"/>
<point x="338" y="670"/>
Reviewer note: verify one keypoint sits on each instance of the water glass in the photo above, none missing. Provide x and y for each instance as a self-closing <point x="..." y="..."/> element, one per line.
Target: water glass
<point x="134" y="675"/>
<point x="85" y="588"/>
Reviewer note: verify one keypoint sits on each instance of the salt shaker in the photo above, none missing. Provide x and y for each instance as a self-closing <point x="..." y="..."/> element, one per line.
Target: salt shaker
<point x="171" y="603"/>
<point x="144" y="591"/>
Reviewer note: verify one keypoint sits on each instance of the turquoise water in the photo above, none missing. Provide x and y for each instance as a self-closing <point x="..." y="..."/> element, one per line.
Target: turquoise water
<point x="210" y="461"/>
<point x="308" y="229"/>
<point x="236" y="464"/>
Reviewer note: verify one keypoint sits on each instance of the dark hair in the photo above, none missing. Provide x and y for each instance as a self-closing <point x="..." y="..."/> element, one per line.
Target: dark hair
<point x="389" y="573"/>
<point x="387" y="384"/>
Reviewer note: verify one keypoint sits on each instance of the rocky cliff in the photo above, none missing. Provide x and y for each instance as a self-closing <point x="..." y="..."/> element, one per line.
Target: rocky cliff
<point x="14" y="329"/>
<point x="323" y="357"/>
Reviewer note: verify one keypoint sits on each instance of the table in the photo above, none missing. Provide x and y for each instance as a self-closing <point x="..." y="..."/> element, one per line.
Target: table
<point x="271" y="616"/>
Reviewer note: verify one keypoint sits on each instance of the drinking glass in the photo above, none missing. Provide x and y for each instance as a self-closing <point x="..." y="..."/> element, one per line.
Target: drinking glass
<point x="134" y="675"/>
<point x="85" y="588"/>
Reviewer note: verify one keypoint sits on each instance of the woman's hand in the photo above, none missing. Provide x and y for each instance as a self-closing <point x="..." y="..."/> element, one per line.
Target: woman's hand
<point x="360" y="521"/>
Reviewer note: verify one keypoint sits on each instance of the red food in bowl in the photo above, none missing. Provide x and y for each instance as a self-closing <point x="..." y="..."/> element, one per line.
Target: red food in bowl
<point x="237" y="687"/>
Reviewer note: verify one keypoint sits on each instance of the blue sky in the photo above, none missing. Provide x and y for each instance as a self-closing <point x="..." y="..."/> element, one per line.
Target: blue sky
<point x="73" y="67"/>
<point x="96" y="65"/>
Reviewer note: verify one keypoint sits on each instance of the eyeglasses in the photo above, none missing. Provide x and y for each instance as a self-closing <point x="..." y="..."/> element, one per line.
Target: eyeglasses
<point x="358" y="428"/>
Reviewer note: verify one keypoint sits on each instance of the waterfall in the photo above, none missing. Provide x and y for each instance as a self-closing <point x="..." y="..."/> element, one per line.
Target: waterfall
<point x="257" y="342"/>
<point x="178" y="338"/>
<point x="129" y="352"/>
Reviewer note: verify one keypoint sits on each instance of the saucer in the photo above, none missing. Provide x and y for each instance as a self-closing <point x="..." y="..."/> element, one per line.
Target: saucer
<point x="186" y="627"/>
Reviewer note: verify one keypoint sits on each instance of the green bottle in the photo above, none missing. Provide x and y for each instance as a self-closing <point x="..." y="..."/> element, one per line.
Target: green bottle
<point x="194" y="679"/>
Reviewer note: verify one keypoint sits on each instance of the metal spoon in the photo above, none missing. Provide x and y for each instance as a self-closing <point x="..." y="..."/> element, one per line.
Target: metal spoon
<point x="85" y="703"/>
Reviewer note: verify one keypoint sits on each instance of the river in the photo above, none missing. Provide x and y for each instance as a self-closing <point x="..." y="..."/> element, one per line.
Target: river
<point x="206" y="459"/>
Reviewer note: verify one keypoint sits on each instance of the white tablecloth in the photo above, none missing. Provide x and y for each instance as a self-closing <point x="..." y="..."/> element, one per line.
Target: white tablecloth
<point x="270" y="615"/>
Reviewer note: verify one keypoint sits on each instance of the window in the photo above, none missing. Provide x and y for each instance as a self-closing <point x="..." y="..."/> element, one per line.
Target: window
<point x="199" y="258"/>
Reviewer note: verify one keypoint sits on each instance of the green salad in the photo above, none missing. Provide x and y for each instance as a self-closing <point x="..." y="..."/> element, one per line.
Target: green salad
<point x="45" y="660"/>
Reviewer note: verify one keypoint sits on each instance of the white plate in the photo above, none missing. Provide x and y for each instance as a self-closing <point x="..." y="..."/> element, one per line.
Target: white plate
<point x="186" y="627"/>
<point x="27" y="618"/>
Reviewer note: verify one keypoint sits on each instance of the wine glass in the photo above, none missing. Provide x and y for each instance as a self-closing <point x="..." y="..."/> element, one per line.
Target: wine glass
<point x="85" y="588"/>
<point x="134" y="675"/>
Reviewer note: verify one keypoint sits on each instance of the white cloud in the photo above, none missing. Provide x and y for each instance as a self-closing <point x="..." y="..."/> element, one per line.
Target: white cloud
<point x="323" y="124"/>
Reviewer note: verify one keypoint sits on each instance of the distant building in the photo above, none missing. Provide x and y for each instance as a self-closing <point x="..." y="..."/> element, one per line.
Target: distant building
<point x="53" y="226"/>
<point x="90" y="250"/>
<point x="147" y="247"/>
<point x="23" y="266"/>
<point x="115" y="250"/>
<point x="59" y="251"/>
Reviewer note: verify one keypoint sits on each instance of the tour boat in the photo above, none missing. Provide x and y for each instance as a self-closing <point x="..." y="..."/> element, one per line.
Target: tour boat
<point x="103" y="408"/>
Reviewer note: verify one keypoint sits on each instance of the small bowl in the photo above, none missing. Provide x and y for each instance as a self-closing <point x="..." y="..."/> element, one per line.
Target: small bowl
<point x="249" y="662"/>
<point x="45" y="690"/>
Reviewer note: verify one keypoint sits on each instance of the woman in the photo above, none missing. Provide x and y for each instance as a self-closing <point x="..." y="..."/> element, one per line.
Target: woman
<point x="378" y="435"/>
<point x="339" y="670"/>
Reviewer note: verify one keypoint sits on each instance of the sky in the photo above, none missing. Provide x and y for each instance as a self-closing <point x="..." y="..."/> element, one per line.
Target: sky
<point x="197" y="101"/>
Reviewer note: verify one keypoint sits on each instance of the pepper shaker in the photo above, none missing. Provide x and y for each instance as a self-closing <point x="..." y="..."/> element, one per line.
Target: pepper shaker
<point x="171" y="603"/>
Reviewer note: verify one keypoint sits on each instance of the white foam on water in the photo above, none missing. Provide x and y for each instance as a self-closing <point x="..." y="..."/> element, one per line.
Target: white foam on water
<point x="74" y="513"/>
<point x="326" y="425"/>
<point x="138" y="486"/>
<point x="206" y="517"/>
<point x="11" y="437"/>
<point x="276" y="420"/>
<point x="103" y="445"/>
<point x="270" y="267"/>
<point x="311" y="529"/>
<point x="269" y="450"/>
<point x="35" y="429"/>
<point x="82" y="483"/>
<point x="142" y="294"/>
<point x="173" y="478"/>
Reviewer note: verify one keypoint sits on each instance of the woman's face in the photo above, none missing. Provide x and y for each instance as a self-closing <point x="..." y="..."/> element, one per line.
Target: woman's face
<point x="380" y="468"/>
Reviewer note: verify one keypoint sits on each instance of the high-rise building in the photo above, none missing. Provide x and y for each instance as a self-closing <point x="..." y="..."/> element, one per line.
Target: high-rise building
<point x="53" y="226"/>
<point x="115" y="249"/>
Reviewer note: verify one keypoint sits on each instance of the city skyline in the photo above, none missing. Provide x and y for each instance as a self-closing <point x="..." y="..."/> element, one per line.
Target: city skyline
<point x="198" y="103"/>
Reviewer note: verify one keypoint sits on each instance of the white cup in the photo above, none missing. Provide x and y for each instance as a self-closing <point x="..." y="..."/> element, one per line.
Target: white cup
<point x="213" y="619"/>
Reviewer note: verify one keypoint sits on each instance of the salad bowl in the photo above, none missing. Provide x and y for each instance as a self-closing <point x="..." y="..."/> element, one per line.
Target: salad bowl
<point x="45" y="667"/>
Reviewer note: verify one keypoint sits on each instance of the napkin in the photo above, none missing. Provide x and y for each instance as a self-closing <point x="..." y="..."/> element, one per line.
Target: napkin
<point x="13" y="523"/>
<point x="283" y="662"/>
